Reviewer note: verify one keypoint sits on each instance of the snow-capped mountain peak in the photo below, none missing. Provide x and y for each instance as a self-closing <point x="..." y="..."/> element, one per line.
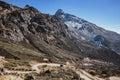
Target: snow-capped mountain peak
<point x="76" y="24"/>
<point x="87" y="31"/>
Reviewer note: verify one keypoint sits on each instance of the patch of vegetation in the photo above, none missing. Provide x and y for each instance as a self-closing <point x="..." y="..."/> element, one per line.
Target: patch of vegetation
<point x="21" y="52"/>
<point x="10" y="65"/>
<point x="29" y="77"/>
<point x="14" y="63"/>
<point x="104" y="70"/>
<point x="105" y="55"/>
<point x="59" y="74"/>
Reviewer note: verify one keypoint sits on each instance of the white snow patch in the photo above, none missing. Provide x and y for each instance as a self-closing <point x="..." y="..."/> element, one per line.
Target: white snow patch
<point x="83" y="38"/>
<point x="73" y="24"/>
<point x="63" y="16"/>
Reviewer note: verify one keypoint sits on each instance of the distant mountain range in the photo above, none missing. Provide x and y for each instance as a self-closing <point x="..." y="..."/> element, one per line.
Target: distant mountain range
<point x="26" y="33"/>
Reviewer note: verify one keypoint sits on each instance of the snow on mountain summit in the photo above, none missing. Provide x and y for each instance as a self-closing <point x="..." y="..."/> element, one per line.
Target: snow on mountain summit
<point x="76" y="24"/>
<point x="87" y="31"/>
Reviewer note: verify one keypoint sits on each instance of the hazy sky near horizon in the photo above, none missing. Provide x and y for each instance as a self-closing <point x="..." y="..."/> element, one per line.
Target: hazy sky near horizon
<point x="104" y="13"/>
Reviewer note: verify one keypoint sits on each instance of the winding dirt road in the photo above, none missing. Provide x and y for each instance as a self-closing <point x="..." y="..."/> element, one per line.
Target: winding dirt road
<point x="35" y="67"/>
<point x="83" y="74"/>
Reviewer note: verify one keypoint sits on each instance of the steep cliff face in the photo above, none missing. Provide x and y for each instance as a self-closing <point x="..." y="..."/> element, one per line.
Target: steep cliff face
<point x="28" y="33"/>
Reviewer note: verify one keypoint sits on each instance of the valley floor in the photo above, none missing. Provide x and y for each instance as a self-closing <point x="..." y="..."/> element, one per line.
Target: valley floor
<point x="37" y="68"/>
<point x="83" y="74"/>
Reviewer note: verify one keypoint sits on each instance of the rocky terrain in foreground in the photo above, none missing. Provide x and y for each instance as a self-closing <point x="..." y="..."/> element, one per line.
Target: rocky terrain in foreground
<point x="29" y="38"/>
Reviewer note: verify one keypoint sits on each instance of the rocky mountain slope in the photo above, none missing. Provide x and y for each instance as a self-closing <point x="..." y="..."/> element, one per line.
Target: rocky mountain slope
<point x="30" y="30"/>
<point x="26" y="33"/>
<point x="89" y="32"/>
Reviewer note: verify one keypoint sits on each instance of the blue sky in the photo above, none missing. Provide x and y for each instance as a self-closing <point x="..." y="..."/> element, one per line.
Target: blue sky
<point x="104" y="13"/>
